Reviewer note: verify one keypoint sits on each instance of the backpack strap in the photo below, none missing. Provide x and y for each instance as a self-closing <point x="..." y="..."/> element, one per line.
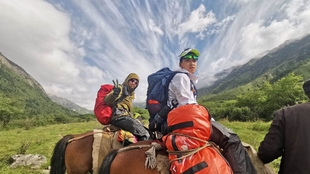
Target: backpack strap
<point x="167" y="89"/>
<point x="166" y="109"/>
<point x="193" y="89"/>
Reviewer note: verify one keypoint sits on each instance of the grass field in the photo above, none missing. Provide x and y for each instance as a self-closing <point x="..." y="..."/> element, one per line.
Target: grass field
<point x="41" y="140"/>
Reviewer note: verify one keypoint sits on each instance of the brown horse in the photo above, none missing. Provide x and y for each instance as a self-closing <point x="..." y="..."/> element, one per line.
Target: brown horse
<point x="132" y="160"/>
<point x="74" y="153"/>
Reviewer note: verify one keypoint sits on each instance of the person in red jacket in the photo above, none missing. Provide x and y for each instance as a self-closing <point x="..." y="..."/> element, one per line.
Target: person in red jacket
<point x="289" y="137"/>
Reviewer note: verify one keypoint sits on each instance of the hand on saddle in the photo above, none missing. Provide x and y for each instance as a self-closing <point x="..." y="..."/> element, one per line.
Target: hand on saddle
<point x="117" y="89"/>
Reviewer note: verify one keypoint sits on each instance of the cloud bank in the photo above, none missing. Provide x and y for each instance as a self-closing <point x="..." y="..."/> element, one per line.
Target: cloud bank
<point x="72" y="47"/>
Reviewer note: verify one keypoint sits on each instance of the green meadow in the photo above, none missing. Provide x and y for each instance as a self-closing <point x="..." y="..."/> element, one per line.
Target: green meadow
<point x="41" y="140"/>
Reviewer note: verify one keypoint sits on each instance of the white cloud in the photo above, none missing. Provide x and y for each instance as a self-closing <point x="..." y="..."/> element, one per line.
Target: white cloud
<point x="73" y="47"/>
<point x="258" y="37"/>
<point x="256" y="26"/>
<point x="155" y="28"/>
<point x="198" y="21"/>
<point x="36" y="36"/>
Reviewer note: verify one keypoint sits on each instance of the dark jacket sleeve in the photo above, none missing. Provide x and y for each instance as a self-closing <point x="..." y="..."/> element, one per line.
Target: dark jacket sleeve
<point x="126" y="103"/>
<point x="163" y="113"/>
<point x="273" y="144"/>
<point x="233" y="150"/>
<point x="110" y="98"/>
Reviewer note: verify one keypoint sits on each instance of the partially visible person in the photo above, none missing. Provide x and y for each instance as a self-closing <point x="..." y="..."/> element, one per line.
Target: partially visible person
<point x="182" y="91"/>
<point x="289" y="137"/>
<point x="120" y="98"/>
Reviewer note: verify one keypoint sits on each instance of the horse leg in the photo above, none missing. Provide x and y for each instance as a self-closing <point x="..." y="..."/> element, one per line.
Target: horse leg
<point x="58" y="157"/>
<point x="79" y="156"/>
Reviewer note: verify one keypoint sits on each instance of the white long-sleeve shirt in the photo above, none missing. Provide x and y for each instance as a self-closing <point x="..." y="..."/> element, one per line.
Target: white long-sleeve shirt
<point x="181" y="90"/>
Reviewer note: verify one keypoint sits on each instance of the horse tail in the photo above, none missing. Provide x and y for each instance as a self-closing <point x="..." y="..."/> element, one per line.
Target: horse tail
<point x="107" y="161"/>
<point x="58" y="159"/>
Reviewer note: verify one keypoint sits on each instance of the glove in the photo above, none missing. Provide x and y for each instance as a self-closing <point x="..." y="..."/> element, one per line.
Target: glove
<point x="125" y="91"/>
<point x="117" y="89"/>
<point x="158" y="119"/>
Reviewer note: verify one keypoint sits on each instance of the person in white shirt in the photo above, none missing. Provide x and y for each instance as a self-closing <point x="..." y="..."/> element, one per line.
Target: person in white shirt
<point x="181" y="90"/>
<point x="182" y="86"/>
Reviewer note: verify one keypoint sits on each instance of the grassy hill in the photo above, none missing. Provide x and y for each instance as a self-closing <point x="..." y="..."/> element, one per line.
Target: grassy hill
<point x="22" y="97"/>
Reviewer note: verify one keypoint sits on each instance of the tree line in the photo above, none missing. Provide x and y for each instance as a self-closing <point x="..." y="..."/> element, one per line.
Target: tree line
<point x="260" y="101"/>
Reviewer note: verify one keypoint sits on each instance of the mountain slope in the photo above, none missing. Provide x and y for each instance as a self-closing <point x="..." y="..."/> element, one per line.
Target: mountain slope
<point x="70" y="105"/>
<point x="287" y="58"/>
<point x="17" y="85"/>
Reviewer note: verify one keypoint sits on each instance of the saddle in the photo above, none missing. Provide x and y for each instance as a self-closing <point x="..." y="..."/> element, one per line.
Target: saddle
<point x="106" y="139"/>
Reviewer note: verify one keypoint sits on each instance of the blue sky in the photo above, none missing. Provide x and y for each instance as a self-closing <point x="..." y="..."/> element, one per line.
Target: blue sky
<point x="71" y="47"/>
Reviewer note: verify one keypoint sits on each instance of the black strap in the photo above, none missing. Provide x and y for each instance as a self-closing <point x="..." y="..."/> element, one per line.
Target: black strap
<point x="196" y="168"/>
<point x="175" y="148"/>
<point x="181" y="126"/>
<point x="174" y="145"/>
<point x="193" y="89"/>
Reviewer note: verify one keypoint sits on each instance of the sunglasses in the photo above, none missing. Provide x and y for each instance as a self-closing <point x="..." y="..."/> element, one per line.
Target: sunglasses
<point x="134" y="81"/>
<point x="190" y="56"/>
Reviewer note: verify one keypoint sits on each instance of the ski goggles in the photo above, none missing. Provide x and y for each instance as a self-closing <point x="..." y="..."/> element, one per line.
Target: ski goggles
<point x="190" y="56"/>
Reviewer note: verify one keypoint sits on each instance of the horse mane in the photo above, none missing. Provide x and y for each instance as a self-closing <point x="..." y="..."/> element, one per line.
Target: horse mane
<point x="58" y="153"/>
<point x="107" y="161"/>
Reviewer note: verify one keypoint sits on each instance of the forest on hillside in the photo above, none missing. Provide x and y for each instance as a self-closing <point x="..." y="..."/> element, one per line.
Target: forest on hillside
<point x="257" y="102"/>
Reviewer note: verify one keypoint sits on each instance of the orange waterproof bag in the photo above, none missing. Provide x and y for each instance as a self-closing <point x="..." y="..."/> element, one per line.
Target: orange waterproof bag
<point x="207" y="160"/>
<point x="190" y="129"/>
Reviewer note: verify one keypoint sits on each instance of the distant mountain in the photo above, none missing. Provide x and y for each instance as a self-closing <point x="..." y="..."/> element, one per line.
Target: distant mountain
<point x="224" y="73"/>
<point x="69" y="104"/>
<point x="291" y="56"/>
<point x="14" y="68"/>
<point x="17" y="85"/>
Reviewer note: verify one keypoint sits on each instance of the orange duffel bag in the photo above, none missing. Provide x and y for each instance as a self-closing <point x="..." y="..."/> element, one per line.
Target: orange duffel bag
<point x="187" y="142"/>
<point x="191" y="119"/>
<point x="206" y="160"/>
